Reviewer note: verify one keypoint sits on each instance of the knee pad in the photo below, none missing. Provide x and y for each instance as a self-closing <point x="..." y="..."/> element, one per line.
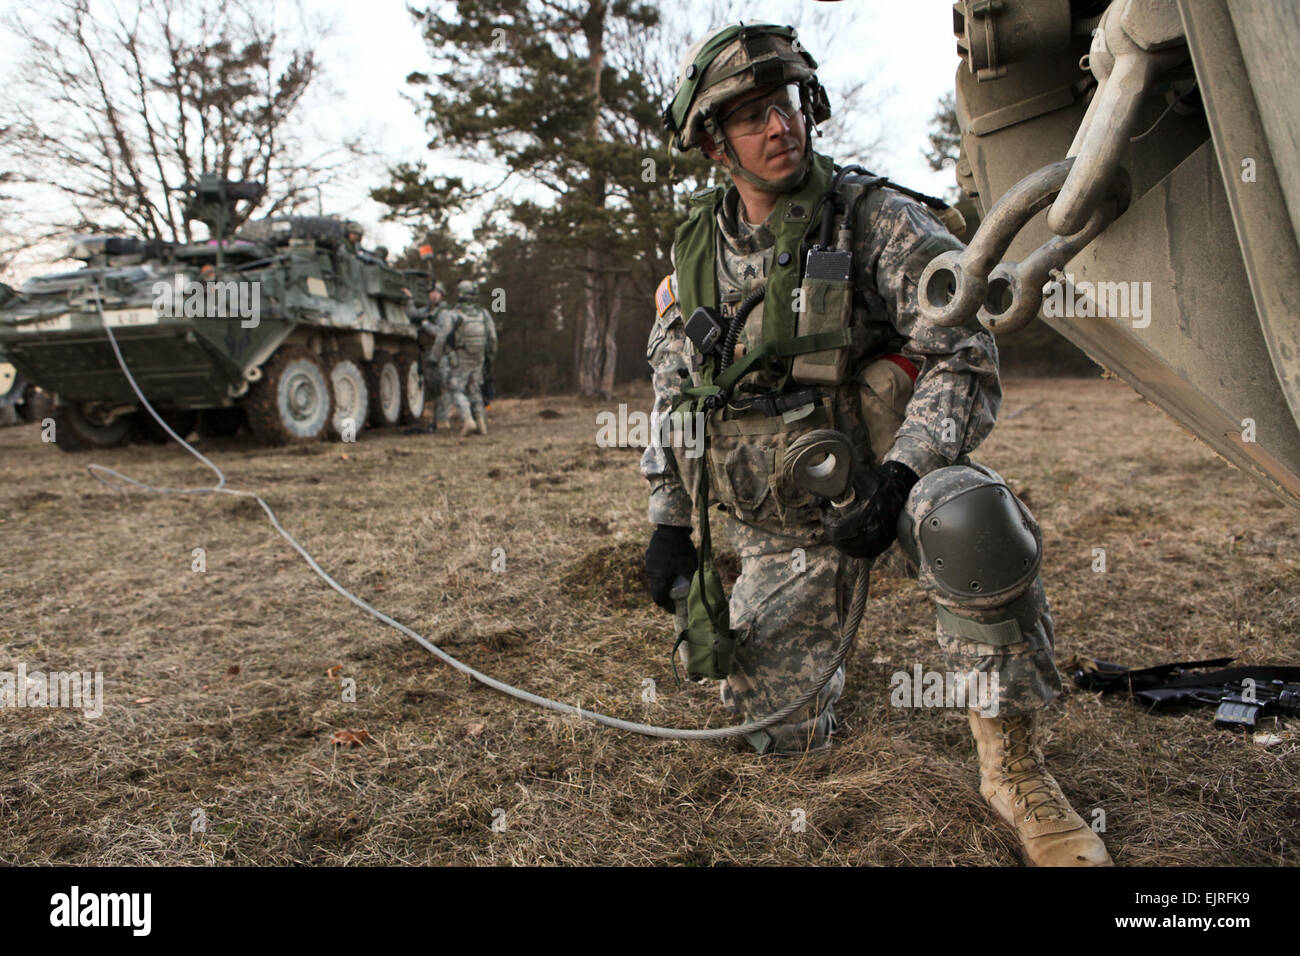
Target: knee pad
<point x="975" y="544"/>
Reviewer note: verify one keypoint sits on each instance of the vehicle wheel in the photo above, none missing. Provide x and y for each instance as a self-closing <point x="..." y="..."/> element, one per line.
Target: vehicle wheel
<point x="291" y="401"/>
<point x="181" y="420"/>
<point x="82" y="427"/>
<point x="351" y="397"/>
<point x="412" y="388"/>
<point x="385" y="385"/>
<point x="222" y="422"/>
<point x="37" y="405"/>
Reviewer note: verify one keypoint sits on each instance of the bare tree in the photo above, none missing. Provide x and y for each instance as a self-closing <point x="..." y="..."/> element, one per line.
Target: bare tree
<point x="116" y="105"/>
<point x="9" y="245"/>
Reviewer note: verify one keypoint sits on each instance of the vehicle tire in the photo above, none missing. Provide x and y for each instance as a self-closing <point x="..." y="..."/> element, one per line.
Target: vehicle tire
<point x="291" y="401"/>
<point x="181" y="420"/>
<point x="37" y="405"/>
<point x="351" y="397"/>
<point x="385" y="384"/>
<point x="80" y="428"/>
<point x="412" y="375"/>
<point x="222" y="422"/>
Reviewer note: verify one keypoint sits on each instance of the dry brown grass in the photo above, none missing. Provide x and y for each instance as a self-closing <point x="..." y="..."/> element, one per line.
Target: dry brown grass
<point x="1200" y="564"/>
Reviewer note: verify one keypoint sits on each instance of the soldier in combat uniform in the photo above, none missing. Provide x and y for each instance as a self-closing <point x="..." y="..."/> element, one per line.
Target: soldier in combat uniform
<point x="474" y="341"/>
<point x="914" y="399"/>
<point x="435" y="321"/>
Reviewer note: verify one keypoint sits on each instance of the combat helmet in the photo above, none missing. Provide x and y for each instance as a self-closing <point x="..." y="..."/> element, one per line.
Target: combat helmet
<point x="735" y="59"/>
<point x="467" y="289"/>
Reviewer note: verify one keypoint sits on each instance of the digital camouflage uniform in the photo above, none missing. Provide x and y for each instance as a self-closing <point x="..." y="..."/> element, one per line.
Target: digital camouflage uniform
<point x="437" y="362"/>
<point x="435" y="322"/>
<point x="911" y="398"/>
<point x="475" y="340"/>
<point x="788" y="621"/>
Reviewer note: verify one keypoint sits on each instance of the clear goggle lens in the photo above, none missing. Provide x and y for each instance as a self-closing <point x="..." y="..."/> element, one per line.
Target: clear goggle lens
<point x="752" y="117"/>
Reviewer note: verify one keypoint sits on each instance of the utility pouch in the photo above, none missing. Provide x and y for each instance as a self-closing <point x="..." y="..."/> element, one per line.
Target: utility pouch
<point x="826" y="300"/>
<point x="708" y="626"/>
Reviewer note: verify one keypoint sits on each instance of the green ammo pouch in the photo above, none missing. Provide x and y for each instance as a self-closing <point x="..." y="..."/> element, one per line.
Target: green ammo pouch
<point x="708" y="626"/>
<point x="826" y="300"/>
<point x="708" y="638"/>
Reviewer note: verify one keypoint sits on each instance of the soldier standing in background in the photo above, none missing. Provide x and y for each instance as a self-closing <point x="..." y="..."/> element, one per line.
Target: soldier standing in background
<point x="854" y="355"/>
<point x="473" y="340"/>
<point x="435" y="321"/>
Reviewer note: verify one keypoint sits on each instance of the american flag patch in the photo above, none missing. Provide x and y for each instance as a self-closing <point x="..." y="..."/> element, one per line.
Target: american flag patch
<point x="664" y="295"/>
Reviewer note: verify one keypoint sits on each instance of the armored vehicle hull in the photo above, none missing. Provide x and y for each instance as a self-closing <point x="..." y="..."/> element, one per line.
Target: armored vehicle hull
<point x="1159" y="138"/>
<point x="287" y="323"/>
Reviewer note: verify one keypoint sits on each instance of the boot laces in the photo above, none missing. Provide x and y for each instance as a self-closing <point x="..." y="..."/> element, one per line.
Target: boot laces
<point x="1023" y="768"/>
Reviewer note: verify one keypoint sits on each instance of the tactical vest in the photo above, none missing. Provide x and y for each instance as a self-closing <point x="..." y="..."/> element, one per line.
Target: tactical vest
<point x="471" y="330"/>
<point x="747" y="439"/>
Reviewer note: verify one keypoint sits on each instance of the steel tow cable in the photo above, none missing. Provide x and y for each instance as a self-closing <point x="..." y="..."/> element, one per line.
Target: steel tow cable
<point x="849" y="631"/>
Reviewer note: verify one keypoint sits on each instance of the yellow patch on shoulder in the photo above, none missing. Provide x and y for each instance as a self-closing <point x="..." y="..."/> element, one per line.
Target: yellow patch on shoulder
<point x="664" y="297"/>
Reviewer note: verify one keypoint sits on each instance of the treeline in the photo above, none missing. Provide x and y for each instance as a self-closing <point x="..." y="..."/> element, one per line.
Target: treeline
<point x="112" y="106"/>
<point x="565" y="97"/>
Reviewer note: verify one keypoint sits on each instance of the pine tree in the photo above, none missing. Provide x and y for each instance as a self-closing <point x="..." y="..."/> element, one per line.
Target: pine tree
<point x="945" y="134"/>
<point x="114" y="107"/>
<point x="560" y="93"/>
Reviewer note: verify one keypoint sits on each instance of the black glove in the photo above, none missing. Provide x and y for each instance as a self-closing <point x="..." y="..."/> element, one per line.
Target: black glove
<point x="669" y="556"/>
<point x="867" y="527"/>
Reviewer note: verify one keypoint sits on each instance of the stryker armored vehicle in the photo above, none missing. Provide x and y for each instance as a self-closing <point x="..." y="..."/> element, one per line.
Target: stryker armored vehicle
<point x="287" y="323"/>
<point x="1160" y="138"/>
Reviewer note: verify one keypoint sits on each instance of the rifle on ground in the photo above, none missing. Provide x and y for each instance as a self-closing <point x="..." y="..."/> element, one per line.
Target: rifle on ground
<point x="1241" y="695"/>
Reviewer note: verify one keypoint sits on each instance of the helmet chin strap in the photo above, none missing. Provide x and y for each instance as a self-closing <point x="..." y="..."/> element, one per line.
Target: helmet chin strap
<point x="791" y="180"/>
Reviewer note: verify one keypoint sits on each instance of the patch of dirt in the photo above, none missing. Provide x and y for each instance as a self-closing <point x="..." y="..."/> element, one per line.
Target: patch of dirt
<point x="612" y="574"/>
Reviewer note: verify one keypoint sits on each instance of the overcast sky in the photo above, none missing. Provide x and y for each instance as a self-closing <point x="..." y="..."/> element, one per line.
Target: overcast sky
<point x="907" y="48"/>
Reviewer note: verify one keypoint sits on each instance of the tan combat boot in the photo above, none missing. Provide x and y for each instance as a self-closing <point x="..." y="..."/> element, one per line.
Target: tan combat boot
<point x="1018" y="787"/>
<point x="468" y="428"/>
<point x="482" y="423"/>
